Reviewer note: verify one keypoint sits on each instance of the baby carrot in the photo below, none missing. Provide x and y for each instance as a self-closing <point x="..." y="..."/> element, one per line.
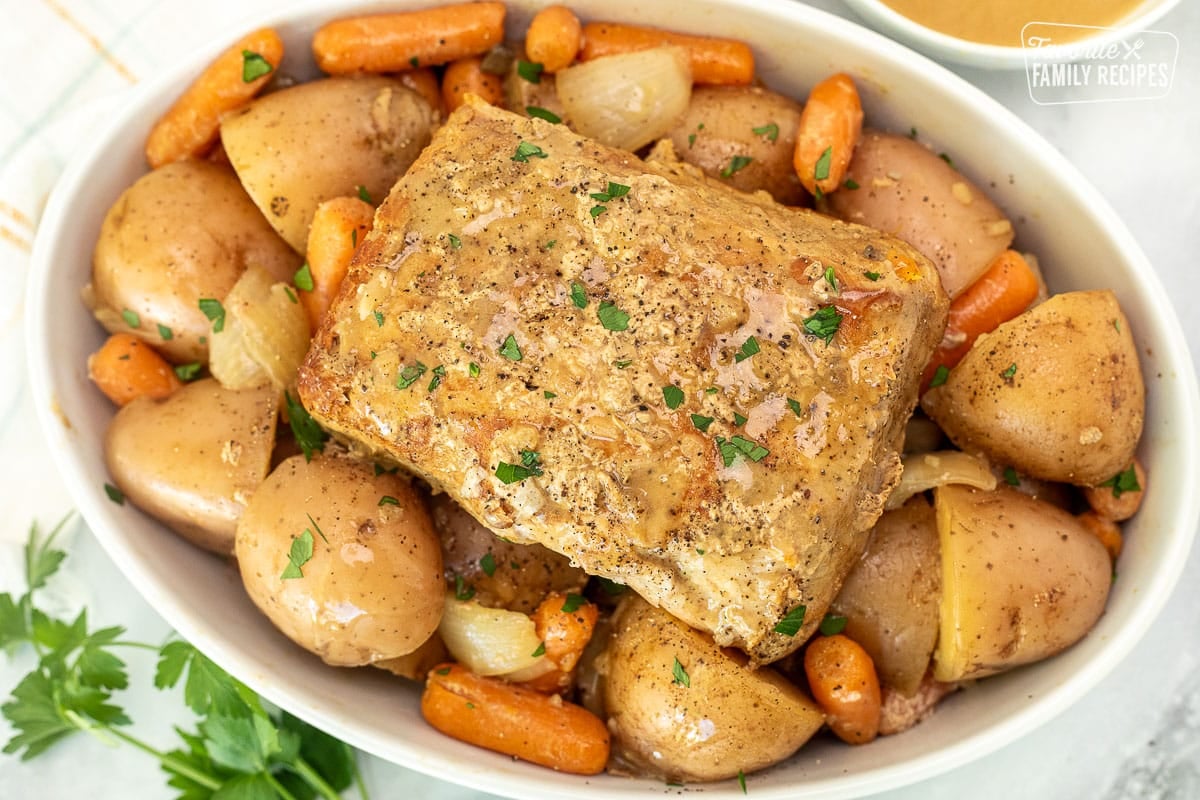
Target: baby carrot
<point x="410" y="39"/>
<point x="842" y="679"/>
<point x="1104" y="529"/>
<point x="125" y="368"/>
<point x="830" y="125"/>
<point x="1002" y="292"/>
<point x="510" y="719"/>
<point x="714" y="61"/>
<point x="466" y="76"/>
<point x="424" y="82"/>
<point x="564" y="634"/>
<point x="554" y="38"/>
<point x="190" y="127"/>
<point x="338" y="227"/>
<point x="1119" y="500"/>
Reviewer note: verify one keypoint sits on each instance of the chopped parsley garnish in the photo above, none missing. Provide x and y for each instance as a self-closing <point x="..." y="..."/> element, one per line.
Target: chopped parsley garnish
<point x="300" y="553"/>
<point x="596" y="211"/>
<point x="309" y="435"/>
<point x="530" y="70"/>
<point x="871" y="276"/>
<point x="946" y="157"/>
<point x="455" y="242"/>
<point x="613" y="191"/>
<point x="510" y="349"/>
<point x="831" y="279"/>
<point x="463" y="591"/>
<point x="578" y="295"/>
<point x="187" y="372"/>
<point x="711" y="390"/>
<point x="526" y="151"/>
<point x="912" y="133"/>
<point x="679" y="675"/>
<point x="532" y="459"/>
<point x="701" y="422"/>
<point x="691" y="140"/>
<point x="792" y="621"/>
<point x="443" y="671"/>
<point x="410" y="374"/>
<point x="611" y="317"/>
<point x="821" y="168"/>
<point x="165" y="333"/>
<point x="290" y="295"/>
<point x="622" y="363"/>
<point x="364" y="195"/>
<point x="515" y="473"/>
<point x="131" y="318"/>
<point x="414" y="62"/>
<point x="612" y="588"/>
<point x="850" y="184"/>
<point x="673" y="396"/>
<point x="388" y="500"/>
<point x="824" y="323"/>
<point x="550" y="244"/>
<point x="794" y="405"/>
<point x="379" y="318"/>
<point x="1010" y="372"/>
<point x="572" y="603"/>
<point x="354" y="239"/>
<point x="114" y="494"/>
<point x="1124" y="481"/>
<point x="700" y="551"/>
<point x="215" y="312"/>
<point x="739" y="419"/>
<point x="540" y="651"/>
<point x="832" y="625"/>
<point x="254" y="66"/>
<point x="736" y="164"/>
<point x="940" y="376"/>
<point x="742" y="780"/>
<point x="488" y="564"/>
<point x="549" y="395"/>
<point x="731" y="448"/>
<point x="749" y="348"/>
<point x="1010" y="477"/>
<point x="543" y="113"/>
<point x="473" y="369"/>
<point x="770" y="130"/>
<point x="303" y="278"/>
<point x="439" y="372"/>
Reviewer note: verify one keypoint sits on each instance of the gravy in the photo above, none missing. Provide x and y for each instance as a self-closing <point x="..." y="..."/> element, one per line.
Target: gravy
<point x="1000" y="21"/>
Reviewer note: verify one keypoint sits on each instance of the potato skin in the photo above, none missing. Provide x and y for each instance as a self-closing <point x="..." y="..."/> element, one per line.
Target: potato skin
<point x="1072" y="409"/>
<point x="372" y="590"/>
<point x="890" y="599"/>
<point x="181" y="233"/>
<point x="1021" y="581"/>
<point x="729" y="719"/>
<point x="298" y="147"/>
<point x="907" y="191"/>
<point x="523" y="574"/>
<point x="194" y="458"/>
<point x="722" y="119"/>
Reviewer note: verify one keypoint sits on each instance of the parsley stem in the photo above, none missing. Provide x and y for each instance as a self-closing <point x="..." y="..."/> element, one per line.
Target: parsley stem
<point x="139" y="645"/>
<point x="358" y="778"/>
<point x="314" y="779"/>
<point x="279" y="788"/>
<point x="168" y="761"/>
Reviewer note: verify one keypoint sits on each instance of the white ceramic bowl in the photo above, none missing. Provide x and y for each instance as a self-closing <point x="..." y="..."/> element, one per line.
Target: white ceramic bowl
<point x="1057" y="215"/>
<point x="944" y="47"/>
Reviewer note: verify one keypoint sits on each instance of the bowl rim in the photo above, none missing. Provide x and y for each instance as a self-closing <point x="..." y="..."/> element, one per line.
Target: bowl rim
<point x="995" y="56"/>
<point x="101" y="520"/>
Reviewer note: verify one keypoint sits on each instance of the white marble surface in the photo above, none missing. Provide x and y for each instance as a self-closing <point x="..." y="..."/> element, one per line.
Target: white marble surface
<point x="1137" y="735"/>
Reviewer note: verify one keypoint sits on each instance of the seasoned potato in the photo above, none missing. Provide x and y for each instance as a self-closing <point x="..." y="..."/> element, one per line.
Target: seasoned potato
<point x="344" y="562"/>
<point x="680" y="707"/>
<point x="194" y="458"/>
<point x="904" y="189"/>
<point x="502" y="574"/>
<point x="295" y="148"/>
<point x="890" y="599"/>
<point x="1057" y="392"/>
<point x="1021" y="580"/>
<point x="183" y="232"/>
<point x="719" y="125"/>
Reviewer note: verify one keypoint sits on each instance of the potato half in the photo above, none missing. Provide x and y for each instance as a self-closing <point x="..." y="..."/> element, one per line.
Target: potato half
<point x="344" y="562"/>
<point x="1021" y="580"/>
<point x="681" y="707"/>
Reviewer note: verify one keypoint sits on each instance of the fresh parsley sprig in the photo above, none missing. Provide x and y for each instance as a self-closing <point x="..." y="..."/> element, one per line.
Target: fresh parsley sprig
<point x="240" y="748"/>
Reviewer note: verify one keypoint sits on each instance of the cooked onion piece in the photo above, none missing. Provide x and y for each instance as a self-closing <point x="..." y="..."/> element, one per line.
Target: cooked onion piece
<point x="264" y="335"/>
<point x="928" y="470"/>
<point x="627" y="100"/>
<point x="492" y="641"/>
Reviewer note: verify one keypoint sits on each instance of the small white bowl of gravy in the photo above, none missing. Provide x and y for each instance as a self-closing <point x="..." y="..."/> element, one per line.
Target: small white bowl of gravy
<point x="994" y="34"/>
